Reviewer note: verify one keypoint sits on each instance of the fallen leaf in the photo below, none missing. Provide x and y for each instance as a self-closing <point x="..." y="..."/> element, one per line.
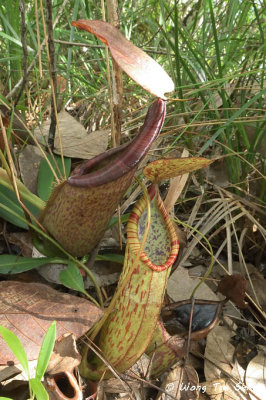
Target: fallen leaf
<point x="234" y="287"/>
<point x="76" y="141"/>
<point x="220" y="362"/>
<point x="117" y="385"/>
<point x="132" y="60"/>
<point x="257" y="279"/>
<point x="28" y="309"/>
<point x="141" y="367"/>
<point x="65" y="356"/>
<point x="180" y="286"/>
<point x="255" y="377"/>
<point x="29" y="162"/>
<point x="182" y="383"/>
<point x="166" y="168"/>
<point x="214" y="389"/>
<point x="23" y="240"/>
<point x="220" y="351"/>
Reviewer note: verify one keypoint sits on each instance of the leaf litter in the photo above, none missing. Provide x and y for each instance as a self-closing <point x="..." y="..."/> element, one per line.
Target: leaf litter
<point x="76" y="141"/>
<point x="218" y="384"/>
<point x="29" y="308"/>
<point x="229" y="374"/>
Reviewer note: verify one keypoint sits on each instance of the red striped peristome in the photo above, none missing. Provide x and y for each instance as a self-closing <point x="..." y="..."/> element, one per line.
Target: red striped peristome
<point x="132" y="232"/>
<point x="123" y="158"/>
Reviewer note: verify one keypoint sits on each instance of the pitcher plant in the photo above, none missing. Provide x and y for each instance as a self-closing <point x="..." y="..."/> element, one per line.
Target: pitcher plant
<point x="129" y="329"/>
<point x="80" y="208"/>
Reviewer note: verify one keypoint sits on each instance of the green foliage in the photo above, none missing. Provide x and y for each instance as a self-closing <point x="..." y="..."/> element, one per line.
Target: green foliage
<point x="220" y="61"/>
<point x="36" y="387"/>
<point x="16" y="347"/>
<point x="213" y="50"/>
<point x="12" y="212"/>
<point x="72" y="278"/>
<point x="46" y="351"/>
<point x="46" y="179"/>
<point x="118" y="258"/>
<point x="12" y="264"/>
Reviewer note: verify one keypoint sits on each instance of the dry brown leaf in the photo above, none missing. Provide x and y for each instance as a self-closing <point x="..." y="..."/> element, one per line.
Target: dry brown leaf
<point x="76" y="142"/>
<point x="135" y="62"/>
<point x="182" y="383"/>
<point x="234" y="287"/>
<point x="215" y="389"/>
<point x="29" y="163"/>
<point x="257" y="279"/>
<point x="115" y="385"/>
<point x="65" y="356"/>
<point x="219" y="353"/>
<point x="190" y="384"/>
<point x="22" y="240"/>
<point x="255" y="377"/>
<point x="28" y="309"/>
<point x="180" y="286"/>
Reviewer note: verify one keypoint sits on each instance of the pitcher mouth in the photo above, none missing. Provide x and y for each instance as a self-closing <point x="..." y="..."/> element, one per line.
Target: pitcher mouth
<point x="115" y="163"/>
<point x="133" y="235"/>
<point x="95" y="171"/>
<point x="180" y="312"/>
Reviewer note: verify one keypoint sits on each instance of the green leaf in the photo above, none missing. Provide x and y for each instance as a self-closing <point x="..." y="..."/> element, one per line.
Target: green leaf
<point x="14" y="40"/>
<point x="5" y="398"/>
<point x="5" y="101"/>
<point x="16" y="347"/>
<point x="114" y="220"/>
<point x="71" y="278"/>
<point x="46" y="248"/>
<point x="11" y="264"/>
<point x="38" y="389"/>
<point x="46" y="351"/>
<point x="46" y="179"/>
<point x="231" y="120"/>
<point x="9" y="199"/>
<point x="118" y="258"/>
